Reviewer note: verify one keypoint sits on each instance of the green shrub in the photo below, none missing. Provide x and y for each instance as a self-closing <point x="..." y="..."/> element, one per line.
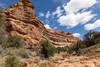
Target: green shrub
<point x="97" y="37"/>
<point x="14" y="41"/>
<point x="11" y="61"/>
<point x="70" y="49"/>
<point x="1" y="9"/>
<point x="81" y="51"/>
<point x="62" y="49"/>
<point x="91" y="38"/>
<point x="47" y="49"/>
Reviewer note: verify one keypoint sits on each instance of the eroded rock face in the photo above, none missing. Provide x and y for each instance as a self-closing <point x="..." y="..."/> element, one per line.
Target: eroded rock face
<point x="21" y="20"/>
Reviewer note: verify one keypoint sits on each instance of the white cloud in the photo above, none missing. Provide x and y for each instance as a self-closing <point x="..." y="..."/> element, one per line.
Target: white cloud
<point x="47" y="26"/>
<point x="55" y="28"/>
<point x="77" y="5"/>
<point x="48" y="14"/>
<point x="73" y="15"/>
<point x="72" y="20"/>
<point x="76" y="34"/>
<point x="58" y="12"/>
<point x="41" y="14"/>
<point x="92" y="26"/>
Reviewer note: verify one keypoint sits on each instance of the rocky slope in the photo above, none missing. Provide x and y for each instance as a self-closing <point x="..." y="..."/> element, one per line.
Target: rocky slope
<point x="90" y="59"/>
<point x="21" y="20"/>
<point x="67" y="61"/>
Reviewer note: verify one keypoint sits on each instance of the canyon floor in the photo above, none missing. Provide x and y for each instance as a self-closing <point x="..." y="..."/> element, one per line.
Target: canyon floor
<point x="67" y="61"/>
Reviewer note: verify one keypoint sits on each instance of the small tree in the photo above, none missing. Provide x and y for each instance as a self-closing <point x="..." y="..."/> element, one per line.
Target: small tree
<point x="47" y="49"/>
<point x="11" y="61"/>
<point x="1" y="9"/>
<point x="91" y="38"/>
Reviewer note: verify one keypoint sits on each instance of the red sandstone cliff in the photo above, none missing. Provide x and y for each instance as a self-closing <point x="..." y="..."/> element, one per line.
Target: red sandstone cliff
<point x="21" y="20"/>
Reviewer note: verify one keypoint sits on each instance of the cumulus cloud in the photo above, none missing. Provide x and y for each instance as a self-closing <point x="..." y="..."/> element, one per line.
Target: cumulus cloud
<point x="48" y="14"/>
<point x="58" y="12"/>
<point x="73" y="15"/>
<point x="92" y="26"/>
<point x="76" y="34"/>
<point x="72" y="20"/>
<point x="41" y="14"/>
<point x="76" y="5"/>
<point x="47" y="26"/>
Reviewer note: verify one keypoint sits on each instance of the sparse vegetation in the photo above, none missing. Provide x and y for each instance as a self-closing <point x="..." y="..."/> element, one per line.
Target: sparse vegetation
<point x="47" y="49"/>
<point x="80" y="51"/>
<point x="91" y="38"/>
<point x="14" y="41"/>
<point x="62" y="49"/>
<point x="11" y="61"/>
<point x="1" y="9"/>
<point x="23" y="54"/>
<point x="3" y="34"/>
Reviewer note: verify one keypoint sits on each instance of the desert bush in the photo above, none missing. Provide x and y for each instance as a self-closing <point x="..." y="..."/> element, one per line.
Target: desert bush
<point x="97" y="37"/>
<point x="11" y="61"/>
<point x="37" y="50"/>
<point x="14" y="41"/>
<point x="3" y="36"/>
<point x="23" y="53"/>
<point x="2" y="25"/>
<point x="80" y="51"/>
<point x="91" y="38"/>
<point x="72" y="48"/>
<point x="62" y="49"/>
<point x="47" y="49"/>
<point x="1" y="9"/>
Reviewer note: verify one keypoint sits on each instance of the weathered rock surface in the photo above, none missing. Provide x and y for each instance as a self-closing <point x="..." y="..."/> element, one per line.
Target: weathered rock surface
<point x="70" y="61"/>
<point x="81" y="61"/>
<point x="21" y="20"/>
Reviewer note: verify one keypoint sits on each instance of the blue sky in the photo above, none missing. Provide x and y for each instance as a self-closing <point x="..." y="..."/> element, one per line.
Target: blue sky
<point x="76" y="16"/>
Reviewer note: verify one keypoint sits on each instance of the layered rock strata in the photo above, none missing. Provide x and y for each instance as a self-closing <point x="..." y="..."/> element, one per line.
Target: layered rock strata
<point x="21" y="20"/>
